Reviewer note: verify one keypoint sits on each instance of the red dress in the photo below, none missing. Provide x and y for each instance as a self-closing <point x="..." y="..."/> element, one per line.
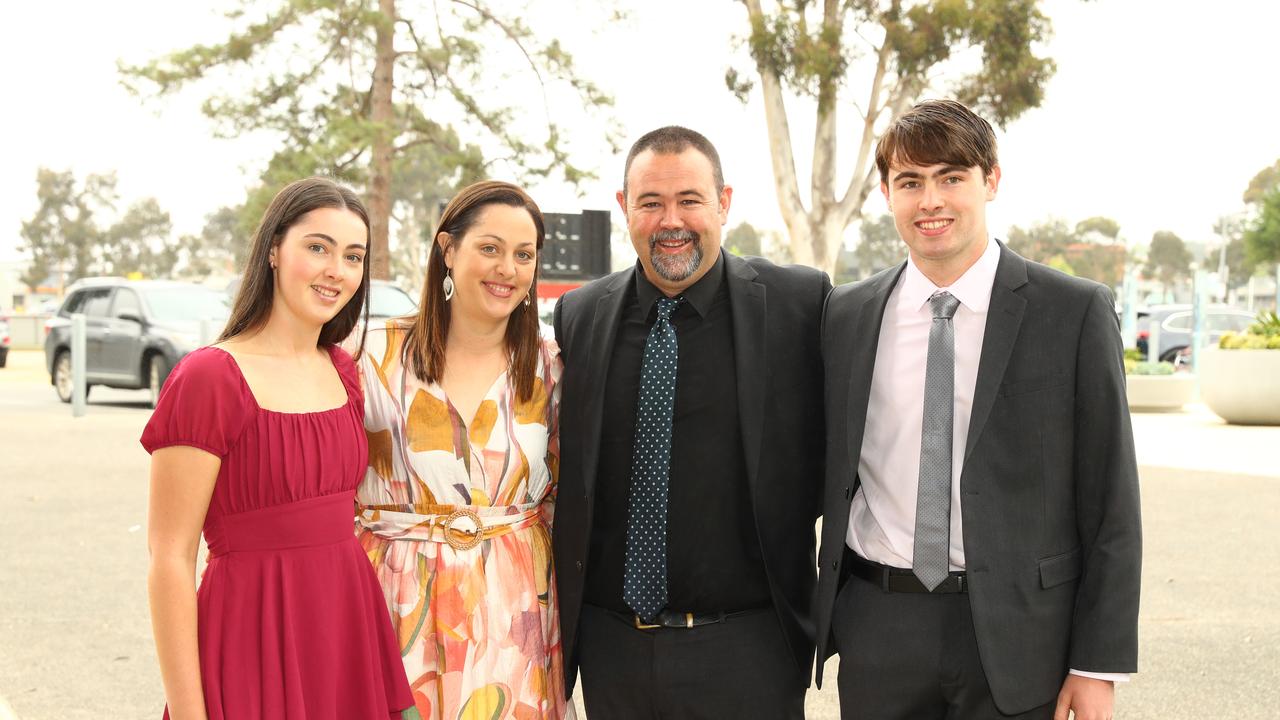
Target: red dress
<point x="292" y="622"/>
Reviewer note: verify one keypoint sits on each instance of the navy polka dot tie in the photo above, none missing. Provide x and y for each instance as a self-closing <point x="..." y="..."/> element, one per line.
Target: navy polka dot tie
<point x="644" y="580"/>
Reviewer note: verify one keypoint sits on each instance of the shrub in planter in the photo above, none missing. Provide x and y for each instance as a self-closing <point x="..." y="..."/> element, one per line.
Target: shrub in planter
<point x="1154" y="386"/>
<point x="1240" y="379"/>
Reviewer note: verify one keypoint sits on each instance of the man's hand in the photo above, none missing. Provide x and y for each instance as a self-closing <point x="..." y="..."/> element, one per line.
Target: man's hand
<point x="1089" y="698"/>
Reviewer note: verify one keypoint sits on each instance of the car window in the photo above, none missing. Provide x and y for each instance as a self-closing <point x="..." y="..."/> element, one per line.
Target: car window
<point x="1229" y="321"/>
<point x="73" y="303"/>
<point x="189" y="303"/>
<point x="97" y="302"/>
<point x="1177" y="322"/>
<point x="126" y="302"/>
<point x="389" y="301"/>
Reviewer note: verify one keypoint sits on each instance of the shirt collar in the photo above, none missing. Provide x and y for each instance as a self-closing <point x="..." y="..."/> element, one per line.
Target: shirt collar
<point x="972" y="289"/>
<point x="699" y="295"/>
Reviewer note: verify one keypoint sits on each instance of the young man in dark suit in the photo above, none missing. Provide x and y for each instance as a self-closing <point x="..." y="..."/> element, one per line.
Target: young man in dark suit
<point x="981" y="542"/>
<point x="691" y="455"/>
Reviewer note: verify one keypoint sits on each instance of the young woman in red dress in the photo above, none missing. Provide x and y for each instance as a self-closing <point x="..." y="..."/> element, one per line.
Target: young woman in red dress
<point x="258" y="442"/>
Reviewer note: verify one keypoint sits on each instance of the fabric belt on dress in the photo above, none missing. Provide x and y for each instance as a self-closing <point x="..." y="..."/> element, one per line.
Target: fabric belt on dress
<point x="462" y="527"/>
<point x="892" y="579"/>
<point x="322" y="520"/>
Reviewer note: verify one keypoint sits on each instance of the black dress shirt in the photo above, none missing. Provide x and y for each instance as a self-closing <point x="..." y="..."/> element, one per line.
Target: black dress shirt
<point x="713" y="551"/>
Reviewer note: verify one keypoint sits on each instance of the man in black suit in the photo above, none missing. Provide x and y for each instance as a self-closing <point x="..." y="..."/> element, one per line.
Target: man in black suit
<point x="691" y="457"/>
<point x="981" y="542"/>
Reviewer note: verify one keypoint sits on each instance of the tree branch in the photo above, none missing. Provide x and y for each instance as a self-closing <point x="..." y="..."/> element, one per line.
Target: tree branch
<point x="775" y="113"/>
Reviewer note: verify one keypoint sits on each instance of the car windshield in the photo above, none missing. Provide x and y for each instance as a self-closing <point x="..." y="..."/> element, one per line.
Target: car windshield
<point x="390" y="301"/>
<point x="176" y="304"/>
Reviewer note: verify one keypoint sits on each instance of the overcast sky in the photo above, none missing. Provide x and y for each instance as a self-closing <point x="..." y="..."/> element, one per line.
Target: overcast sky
<point x="1160" y="112"/>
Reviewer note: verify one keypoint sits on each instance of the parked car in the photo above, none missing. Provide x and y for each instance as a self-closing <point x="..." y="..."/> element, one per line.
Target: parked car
<point x="386" y="299"/>
<point x="1176" y="323"/>
<point x="136" y="331"/>
<point x="4" y="341"/>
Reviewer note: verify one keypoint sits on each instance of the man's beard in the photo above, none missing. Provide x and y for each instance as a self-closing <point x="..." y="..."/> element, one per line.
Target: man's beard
<point x="675" y="268"/>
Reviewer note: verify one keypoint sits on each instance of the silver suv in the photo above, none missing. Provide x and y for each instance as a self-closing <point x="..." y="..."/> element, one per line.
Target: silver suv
<point x="136" y="331"/>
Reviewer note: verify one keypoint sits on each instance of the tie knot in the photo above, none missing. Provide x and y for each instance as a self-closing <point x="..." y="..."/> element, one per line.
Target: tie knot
<point x="667" y="305"/>
<point x="944" y="305"/>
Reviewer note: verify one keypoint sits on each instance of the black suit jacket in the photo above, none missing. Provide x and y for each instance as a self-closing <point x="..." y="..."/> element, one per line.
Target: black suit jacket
<point x="776" y="311"/>
<point x="1049" y="487"/>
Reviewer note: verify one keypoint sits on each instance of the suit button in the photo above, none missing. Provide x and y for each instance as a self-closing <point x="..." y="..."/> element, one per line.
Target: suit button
<point x="835" y="564"/>
<point x="579" y="564"/>
<point x="848" y="493"/>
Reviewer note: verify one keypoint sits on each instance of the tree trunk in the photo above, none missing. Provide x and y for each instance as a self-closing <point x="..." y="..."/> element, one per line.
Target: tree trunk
<point x="378" y="194"/>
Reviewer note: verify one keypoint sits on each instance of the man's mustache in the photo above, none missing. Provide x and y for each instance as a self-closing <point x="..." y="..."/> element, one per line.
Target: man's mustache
<point x="681" y="235"/>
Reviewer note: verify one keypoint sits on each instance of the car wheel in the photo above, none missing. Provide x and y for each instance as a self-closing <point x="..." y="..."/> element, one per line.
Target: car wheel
<point x="155" y="377"/>
<point x="1171" y="355"/>
<point x="4" y="356"/>
<point x="62" y="381"/>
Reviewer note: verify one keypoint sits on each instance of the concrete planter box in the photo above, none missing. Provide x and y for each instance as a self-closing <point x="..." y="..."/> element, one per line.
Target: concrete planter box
<point x="1241" y="386"/>
<point x="1159" y="393"/>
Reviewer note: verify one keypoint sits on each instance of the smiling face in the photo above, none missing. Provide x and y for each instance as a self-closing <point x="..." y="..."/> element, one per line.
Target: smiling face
<point x="493" y="264"/>
<point x="674" y="216"/>
<point x="941" y="214"/>
<point x="319" y="264"/>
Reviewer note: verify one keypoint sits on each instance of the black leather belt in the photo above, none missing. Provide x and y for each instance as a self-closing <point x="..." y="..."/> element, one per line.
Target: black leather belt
<point x="673" y="619"/>
<point x="892" y="579"/>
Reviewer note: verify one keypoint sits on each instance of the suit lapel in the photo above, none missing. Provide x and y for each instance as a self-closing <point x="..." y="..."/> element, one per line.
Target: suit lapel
<point x="1004" y="317"/>
<point x="750" y="329"/>
<point x="865" y="338"/>
<point x="604" y="329"/>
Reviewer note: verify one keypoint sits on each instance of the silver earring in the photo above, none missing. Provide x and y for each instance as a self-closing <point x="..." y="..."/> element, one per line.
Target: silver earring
<point x="448" y="286"/>
<point x="527" y="300"/>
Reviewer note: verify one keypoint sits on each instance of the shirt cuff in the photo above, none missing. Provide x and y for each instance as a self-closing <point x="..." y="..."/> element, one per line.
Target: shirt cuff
<point x="1113" y="677"/>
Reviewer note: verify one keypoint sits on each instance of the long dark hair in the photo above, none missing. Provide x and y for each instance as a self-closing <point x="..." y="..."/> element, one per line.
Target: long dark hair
<point x="424" y="343"/>
<point x="257" y="288"/>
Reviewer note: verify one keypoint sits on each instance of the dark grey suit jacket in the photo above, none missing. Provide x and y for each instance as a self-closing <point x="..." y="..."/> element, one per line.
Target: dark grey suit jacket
<point x="776" y="311"/>
<point x="1049" y="488"/>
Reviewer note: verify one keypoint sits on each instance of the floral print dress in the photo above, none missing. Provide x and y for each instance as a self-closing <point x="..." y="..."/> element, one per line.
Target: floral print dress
<point x="457" y="523"/>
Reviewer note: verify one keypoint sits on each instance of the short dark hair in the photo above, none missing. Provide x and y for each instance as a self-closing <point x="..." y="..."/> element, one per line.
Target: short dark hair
<point x="673" y="140"/>
<point x="253" y="302"/>
<point x="938" y="132"/>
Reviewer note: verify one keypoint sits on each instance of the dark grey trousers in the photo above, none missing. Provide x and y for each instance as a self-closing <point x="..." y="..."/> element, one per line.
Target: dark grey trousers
<point x="909" y="656"/>
<point x="738" y="668"/>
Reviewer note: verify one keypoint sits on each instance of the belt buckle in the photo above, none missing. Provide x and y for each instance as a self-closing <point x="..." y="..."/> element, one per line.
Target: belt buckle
<point x="642" y="625"/>
<point x="470" y="542"/>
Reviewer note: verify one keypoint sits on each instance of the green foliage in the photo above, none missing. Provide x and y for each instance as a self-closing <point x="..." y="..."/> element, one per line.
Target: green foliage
<point x="1262" y="239"/>
<point x="1043" y="241"/>
<point x="1262" y="184"/>
<point x="67" y="230"/>
<point x="304" y="71"/>
<point x="744" y="239"/>
<point x="1103" y="226"/>
<point x="1168" y="258"/>
<point x="1150" y="368"/>
<point x="879" y="245"/>
<point x="1134" y="354"/>
<point x="1261" y="335"/>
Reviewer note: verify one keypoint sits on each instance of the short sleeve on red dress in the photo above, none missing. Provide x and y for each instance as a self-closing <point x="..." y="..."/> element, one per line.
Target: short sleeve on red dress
<point x="204" y="404"/>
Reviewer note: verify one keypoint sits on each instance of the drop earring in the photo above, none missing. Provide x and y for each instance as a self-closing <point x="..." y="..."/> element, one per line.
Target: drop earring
<point x="527" y="299"/>
<point x="448" y="286"/>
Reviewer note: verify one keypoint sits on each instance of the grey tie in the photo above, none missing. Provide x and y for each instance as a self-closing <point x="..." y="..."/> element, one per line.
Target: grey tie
<point x="933" y="503"/>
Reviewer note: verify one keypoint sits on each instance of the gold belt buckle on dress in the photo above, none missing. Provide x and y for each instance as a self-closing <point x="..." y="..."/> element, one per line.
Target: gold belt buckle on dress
<point x="449" y="530"/>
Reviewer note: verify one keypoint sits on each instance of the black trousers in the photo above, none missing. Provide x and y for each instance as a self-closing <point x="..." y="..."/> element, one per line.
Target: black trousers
<point x="911" y="656"/>
<point x="738" y="668"/>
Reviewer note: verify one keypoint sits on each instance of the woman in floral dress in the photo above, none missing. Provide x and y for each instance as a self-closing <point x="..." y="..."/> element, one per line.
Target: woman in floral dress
<point x="455" y="509"/>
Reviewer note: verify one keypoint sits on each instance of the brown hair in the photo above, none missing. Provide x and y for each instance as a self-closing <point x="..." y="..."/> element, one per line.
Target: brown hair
<point x="673" y="140"/>
<point x="257" y="288"/>
<point x="938" y="132"/>
<point x="424" y="343"/>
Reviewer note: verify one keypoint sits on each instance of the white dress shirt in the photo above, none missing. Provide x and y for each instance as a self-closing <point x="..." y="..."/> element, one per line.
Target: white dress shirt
<point x="882" y="516"/>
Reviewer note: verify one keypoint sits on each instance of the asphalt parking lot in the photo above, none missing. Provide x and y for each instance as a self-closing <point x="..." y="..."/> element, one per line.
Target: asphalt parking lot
<point x="75" y="640"/>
